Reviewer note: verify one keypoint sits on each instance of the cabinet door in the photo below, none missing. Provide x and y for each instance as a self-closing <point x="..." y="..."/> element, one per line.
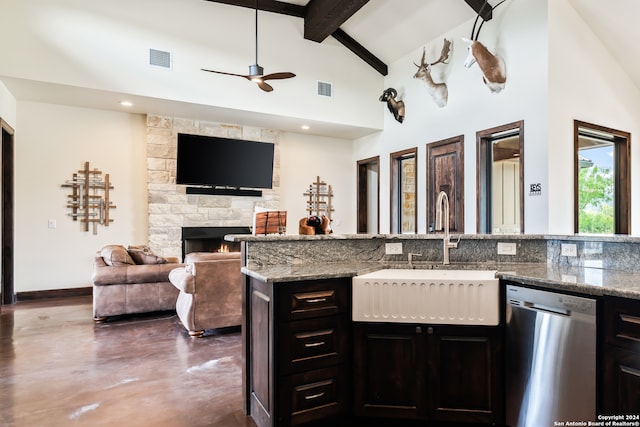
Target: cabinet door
<point x="389" y="371"/>
<point x="621" y="394"/>
<point x="621" y="357"/>
<point x="465" y="374"/>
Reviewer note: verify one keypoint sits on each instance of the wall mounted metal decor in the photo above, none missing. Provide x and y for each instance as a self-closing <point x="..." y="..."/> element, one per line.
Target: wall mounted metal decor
<point x="89" y="199"/>
<point x="319" y="197"/>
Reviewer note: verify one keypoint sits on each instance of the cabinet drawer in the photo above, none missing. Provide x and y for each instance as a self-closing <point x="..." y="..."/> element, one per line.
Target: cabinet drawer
<point x="314" y="343"/>
<point x="304" y="300"/>
<point x="622" y="322"/>
<point x="314" y="395"/>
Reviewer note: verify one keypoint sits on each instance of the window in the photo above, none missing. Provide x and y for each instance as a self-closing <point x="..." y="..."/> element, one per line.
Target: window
<point x="404" y="181"/>
<point x="602" y="180"/>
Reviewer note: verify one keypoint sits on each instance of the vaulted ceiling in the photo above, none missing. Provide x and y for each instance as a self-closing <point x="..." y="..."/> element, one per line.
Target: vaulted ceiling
<point x="324" y="18"/>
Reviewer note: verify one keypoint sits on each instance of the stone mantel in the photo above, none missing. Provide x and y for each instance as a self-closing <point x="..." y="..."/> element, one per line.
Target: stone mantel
<point x="171" y="208"/>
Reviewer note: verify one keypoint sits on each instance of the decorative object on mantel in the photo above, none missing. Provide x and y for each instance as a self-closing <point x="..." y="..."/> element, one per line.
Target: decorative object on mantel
<point x="89" y="198"/>
<point x="319" y="207"/>
<point x="270" y="222"/>
<point x="314" y="225"/>
<point x="319" y="202"/>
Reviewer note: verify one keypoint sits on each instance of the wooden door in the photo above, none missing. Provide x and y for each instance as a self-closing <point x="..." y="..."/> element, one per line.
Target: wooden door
<point x="445" y="172"/>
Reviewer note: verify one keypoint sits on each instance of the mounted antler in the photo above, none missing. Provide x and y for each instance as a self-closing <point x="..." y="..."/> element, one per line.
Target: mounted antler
<point x="492" y="66"/>
<point x="438" y="91"/>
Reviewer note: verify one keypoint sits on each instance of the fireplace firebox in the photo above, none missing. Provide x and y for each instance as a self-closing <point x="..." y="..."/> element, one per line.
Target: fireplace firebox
<point x="210" y="239"/>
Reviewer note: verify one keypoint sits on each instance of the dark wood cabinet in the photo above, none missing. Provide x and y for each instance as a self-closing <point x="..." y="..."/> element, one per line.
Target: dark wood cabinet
<point x="465" y="380"/>
<point x="298" y="351"/>
<point x="621" y="356"/>
<point x="422" y="372"/>
<point x="389" y="371"/>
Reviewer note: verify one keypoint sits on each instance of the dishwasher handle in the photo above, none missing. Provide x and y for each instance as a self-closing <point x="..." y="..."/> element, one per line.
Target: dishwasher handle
<point x="561" y="311"/>
<point x="547" y="309"/>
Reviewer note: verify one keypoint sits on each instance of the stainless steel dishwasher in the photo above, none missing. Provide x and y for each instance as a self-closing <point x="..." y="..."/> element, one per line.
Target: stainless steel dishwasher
<point x="550" y="357"/>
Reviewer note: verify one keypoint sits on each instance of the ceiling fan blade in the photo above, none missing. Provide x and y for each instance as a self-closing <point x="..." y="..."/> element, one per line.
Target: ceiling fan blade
<point x="274" y="76"/>
<point x="264" y="86"/>
<point x="227" y="74"/>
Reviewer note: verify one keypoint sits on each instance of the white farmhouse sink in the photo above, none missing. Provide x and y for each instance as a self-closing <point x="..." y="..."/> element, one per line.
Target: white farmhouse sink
<point x="451" y="297"/>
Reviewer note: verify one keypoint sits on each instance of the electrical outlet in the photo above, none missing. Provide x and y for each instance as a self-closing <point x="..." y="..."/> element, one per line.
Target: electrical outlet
<point x="569" y="249"/>
<point x="506" y="248"/>
<point x="393" y="248"/>
<point x="51" y="223"/>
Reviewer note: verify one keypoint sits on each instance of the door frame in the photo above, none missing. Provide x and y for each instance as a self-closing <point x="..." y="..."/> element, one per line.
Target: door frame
<point x="362" y="185"/>
<point x="7" y="292"/>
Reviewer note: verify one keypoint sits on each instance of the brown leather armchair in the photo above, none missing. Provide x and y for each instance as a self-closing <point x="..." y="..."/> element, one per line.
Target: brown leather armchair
<point x="210" y="288"/>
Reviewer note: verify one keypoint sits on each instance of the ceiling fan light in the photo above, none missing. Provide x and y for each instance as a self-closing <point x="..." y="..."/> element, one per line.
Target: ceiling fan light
<point x="256" y="71"/>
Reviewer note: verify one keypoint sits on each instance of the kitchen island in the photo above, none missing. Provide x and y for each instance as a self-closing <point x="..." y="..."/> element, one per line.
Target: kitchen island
<point x="304" y="355"/>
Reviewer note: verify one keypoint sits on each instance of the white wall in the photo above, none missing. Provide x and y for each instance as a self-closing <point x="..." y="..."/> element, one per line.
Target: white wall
<point x="51" y="144"/>
<point x="302" y="159"/>
<point x="518" y="32"/>
<point x="585" y="83"/>
<point x="7" y="106"/>
<point x="54" y="141"/>
<point x="105" y="45"/>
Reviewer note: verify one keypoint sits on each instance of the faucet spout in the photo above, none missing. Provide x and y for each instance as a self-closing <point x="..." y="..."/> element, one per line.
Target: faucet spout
<point x="442" y="222"/>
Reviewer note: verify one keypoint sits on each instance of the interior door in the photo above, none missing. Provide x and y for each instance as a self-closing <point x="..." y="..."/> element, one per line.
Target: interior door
<point x="445" y="172"/>
<point x="6" y="220"/>
<point x="368" y="209"/>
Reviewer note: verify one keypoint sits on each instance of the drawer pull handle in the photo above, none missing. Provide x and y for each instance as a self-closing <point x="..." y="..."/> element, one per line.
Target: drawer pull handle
<point x="314" y="344"/>
<point x="314" y="396"/>
<point x="314" y="300"/>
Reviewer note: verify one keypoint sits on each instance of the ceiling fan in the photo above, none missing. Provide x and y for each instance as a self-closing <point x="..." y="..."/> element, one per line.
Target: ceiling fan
<point x="256" y="72"/>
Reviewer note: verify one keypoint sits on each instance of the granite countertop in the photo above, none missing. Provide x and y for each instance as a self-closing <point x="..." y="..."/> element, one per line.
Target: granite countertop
<point x="584" y="280"/>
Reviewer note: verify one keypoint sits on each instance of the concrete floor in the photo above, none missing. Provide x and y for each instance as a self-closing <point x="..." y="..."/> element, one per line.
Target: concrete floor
<point x="58" y="368"/>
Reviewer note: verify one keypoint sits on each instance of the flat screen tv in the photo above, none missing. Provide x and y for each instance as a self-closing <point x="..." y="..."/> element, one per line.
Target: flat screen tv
<point x="224" y="162"/>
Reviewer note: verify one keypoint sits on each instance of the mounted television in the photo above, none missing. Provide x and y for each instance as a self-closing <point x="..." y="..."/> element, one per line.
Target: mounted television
<point x="223" y="162"/>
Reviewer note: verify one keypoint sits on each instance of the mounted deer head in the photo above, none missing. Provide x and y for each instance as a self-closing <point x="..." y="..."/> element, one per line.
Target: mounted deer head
<point x="494" y="73"/>
<point x="438" y="91"/>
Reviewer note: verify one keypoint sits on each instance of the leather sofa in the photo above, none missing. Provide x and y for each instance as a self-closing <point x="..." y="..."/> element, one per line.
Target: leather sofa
<point x="133" y="280"/>
<point x="210" y="286"/>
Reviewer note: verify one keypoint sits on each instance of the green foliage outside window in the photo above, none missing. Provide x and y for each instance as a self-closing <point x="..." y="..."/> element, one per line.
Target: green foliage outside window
<point x="595" y="200"/>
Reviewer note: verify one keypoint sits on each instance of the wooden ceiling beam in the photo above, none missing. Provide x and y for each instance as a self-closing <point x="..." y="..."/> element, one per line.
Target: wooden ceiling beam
<point x="268" y="6"/>
<point x="482" y="8"/>
<point x="323" y="17"/>
<point x="360" y="51"/>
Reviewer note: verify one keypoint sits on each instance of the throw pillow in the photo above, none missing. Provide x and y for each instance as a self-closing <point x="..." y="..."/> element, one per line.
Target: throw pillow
<point x="143" y="255"/>
<point x="116" y="255"/>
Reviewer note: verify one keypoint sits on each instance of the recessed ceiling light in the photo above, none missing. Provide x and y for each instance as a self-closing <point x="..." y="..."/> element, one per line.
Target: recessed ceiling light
<point x="126" y="103"/>
<point x="304" y="127"/>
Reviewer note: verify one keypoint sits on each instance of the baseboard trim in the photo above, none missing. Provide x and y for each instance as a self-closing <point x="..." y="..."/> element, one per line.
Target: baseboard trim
<point x="54" y="293"/>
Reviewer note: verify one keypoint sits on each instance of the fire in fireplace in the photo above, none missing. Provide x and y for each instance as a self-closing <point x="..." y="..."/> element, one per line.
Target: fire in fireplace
<point x="210" y="239"/>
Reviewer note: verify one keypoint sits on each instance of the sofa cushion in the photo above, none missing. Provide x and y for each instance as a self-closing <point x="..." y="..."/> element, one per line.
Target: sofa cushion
<point x="116" y="255"/>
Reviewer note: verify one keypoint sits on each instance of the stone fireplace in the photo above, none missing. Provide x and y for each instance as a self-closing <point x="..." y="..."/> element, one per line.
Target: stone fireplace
<point x="171" y="209"/>
<point x="210" y="239"/>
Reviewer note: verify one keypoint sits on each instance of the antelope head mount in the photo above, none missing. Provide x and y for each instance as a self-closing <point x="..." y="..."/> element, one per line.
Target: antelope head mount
<point x="438" y="91"/>
<point x="494" y="73"/>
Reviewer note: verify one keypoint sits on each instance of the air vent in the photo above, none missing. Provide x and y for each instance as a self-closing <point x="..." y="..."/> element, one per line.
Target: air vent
<point x="325" y="89"/>
<point x="159" y="58"/>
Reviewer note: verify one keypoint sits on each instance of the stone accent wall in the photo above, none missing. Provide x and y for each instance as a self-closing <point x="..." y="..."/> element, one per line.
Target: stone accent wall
<point x="170" y="208"/>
